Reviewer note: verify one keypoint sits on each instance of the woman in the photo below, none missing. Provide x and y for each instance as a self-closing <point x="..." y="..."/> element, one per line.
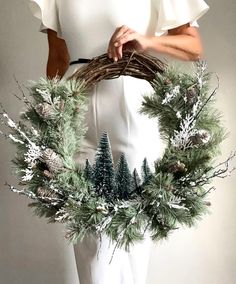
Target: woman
<point x="88" y="28"/>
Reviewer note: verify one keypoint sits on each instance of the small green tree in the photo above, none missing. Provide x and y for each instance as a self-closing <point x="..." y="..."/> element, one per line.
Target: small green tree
<point x="88" y="171"/>
<point x="123" y="179"/>
<point x="146" y="172"/>
<point x="104" y="173"/>
<point x="137" y="183"/>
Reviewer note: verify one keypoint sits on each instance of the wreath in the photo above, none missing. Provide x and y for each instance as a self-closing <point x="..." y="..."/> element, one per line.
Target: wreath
<point x="103" y="197"/>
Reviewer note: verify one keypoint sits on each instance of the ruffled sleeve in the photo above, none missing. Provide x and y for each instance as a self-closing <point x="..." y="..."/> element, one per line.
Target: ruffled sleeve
<point x="174" y="13"/>
<point x="47" y="12"/>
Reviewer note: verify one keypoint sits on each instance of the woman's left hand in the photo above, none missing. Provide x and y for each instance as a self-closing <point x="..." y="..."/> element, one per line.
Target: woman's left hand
<point x="124" y="38"/>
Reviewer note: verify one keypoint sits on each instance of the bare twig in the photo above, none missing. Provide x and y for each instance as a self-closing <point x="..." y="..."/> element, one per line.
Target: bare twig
<point x="208" y="99"/>
<point x="24" y="98"/>
<point x="220" y="173"/>
<point x="205" y="193"/>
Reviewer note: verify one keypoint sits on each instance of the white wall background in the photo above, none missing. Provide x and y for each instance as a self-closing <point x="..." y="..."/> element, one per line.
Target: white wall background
<point x="34" y="252"/>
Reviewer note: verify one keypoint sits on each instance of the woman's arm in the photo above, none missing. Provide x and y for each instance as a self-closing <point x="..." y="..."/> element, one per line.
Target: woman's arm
<point x="58" y="56"/>
<point x="183" y="42"/>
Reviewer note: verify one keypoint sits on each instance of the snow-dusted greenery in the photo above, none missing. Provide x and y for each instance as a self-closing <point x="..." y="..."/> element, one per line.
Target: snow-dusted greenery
<point x="107" y="198"/>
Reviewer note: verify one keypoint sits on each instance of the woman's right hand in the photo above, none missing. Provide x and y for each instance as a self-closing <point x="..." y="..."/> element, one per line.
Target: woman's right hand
<point x="124" y="38"/>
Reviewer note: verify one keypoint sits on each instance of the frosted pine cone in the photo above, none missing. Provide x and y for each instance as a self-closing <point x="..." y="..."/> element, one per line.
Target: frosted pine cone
<point x="47" y="194"/>
<point x="48" y="174"/>
<point x="62" y="105"/>
<point x="169" y="187"/>
<point x="45" y="110"/>
<point x="177" y="167"/>
<point x="192" y="96"/>
<point x="52" y="160"/>
<point x="201" y="137"/>
<point x="167" y="82"/>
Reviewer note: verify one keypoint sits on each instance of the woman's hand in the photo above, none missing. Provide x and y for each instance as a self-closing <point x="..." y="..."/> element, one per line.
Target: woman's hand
<point x="124" y="38"/>
<point x="182" y="42"/>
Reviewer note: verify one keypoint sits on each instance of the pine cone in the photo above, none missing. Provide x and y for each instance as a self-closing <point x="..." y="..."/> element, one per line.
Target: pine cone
<point x="62" y="105"/>
<point x="45" y="110"/>
<point x="167" y="82"/>
<point x="47" y="194"/>
<point x="52" y="160"/>
<point x="48" y="174"/>
<point x="169" y="187"/>
<point x="191" y="96"/>
<point x="177" y="167"/>
<point x="201" y="137"/>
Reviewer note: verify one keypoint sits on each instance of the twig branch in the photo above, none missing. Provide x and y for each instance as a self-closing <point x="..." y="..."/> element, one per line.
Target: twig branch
<point x="205" y="193"/>
<point x="208" y="99"/>
<point x="220" y="173"/>
<point x="25" y="99"/>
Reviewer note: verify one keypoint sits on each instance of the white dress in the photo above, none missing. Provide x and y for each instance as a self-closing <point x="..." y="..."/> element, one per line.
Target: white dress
<point x="86" y="26"/>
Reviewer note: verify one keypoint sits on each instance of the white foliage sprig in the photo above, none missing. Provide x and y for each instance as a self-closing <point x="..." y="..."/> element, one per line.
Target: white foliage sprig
<point x="34" y="151"/>
<point x="169" y="96"/>
<point x="201" y="70"/>
<point x="187" y="129"/>
<point x="175" y="202"/>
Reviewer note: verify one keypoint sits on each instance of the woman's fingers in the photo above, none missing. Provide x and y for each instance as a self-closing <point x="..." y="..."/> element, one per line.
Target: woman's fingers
<point x="112" y="52"/>
<point x="126" y="38"/>
<point x="119" y="32"/>
<point x="119" y="47"/>
<point x="115" y="52"/>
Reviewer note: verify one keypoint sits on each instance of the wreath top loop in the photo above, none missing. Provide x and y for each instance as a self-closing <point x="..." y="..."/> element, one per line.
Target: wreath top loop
<point x="138" y="65"/>
<point x="104" y="198"/>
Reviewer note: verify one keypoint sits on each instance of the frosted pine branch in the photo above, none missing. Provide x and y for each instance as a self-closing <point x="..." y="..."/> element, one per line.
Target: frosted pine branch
<point x="14" y="126"/>
<point x="63" y="215"/>
<point x="175" y="202"/>
<point x="28" y="174"/>
<point x="25" y="192"/>
<point x="103" y="224"/>
<point x="169" y="96"/>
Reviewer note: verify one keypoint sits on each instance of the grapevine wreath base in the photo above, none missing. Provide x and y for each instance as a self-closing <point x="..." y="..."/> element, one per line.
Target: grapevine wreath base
<point x="108" y="198"/>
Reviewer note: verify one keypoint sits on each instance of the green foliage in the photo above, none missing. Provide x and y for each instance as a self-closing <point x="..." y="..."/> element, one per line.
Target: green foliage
<point x="131" y="222"/>
<point x="54" y="118"/>
<point x="109" y="182"/>
<point x="146" y="172"/>
<point x="137" y="183"/>
<point x="104" y="198"/>
<point x="104" y="175"/>
<point x="123" y="179"/>
<point x="88" y="172"/>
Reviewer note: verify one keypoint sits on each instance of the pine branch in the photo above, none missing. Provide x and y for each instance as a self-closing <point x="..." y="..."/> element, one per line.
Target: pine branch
<point x="25" y="192"/>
